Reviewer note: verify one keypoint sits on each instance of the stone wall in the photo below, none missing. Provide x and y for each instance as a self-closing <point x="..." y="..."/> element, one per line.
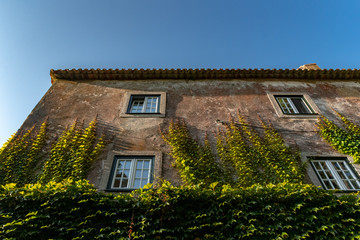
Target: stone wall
<point x="204" y="104"/>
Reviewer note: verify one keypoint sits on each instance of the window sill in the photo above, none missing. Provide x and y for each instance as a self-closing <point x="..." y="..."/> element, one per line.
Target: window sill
<point x="300" y="116"/>
<point x="341" y="191"/>
<point x="124" y="189"/>
<point x="142" y="115"/>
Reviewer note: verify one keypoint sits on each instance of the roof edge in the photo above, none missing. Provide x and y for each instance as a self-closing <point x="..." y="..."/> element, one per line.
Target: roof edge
<point x="193" y="74"/>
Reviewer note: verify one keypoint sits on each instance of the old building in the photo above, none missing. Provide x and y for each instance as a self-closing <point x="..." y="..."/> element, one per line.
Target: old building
<point x="132" y="104"/>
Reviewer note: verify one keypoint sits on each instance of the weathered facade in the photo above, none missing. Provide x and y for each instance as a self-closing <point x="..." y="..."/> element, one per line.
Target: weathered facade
<point x="291" y="99"/>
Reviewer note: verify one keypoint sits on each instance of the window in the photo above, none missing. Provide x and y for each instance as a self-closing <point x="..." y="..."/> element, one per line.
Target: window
<point x="335" y="173"/>
<point x="144" y="104"/>
<point x="293" y="105"/>
<point x="130" y="172"/>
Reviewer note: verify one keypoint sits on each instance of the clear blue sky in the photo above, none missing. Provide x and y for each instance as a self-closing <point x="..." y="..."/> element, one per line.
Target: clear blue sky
<point x="39" y="35"/>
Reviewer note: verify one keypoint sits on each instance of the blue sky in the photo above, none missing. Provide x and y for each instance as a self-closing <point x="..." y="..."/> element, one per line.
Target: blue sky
<point x="39" y="35"/>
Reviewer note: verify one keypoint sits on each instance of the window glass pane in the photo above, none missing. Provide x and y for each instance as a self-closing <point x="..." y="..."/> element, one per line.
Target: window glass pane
<point x="300" y="105"/>
<point x="329" y="174"/>
<point x="138" y="174"/>
<point x="128" y="164"/>
<point x="322" y="175"/>
<point x="323" y="165"/>
<point x="124" y="183"/>
<point x="146" y="164"/>
<point x="342" y="165"/>
<point x="144" y="182"/>
<point x="126" y="173"/>
<point x="347" y="184"/>
<point x="355" y="184"/>
<point x="137" y="105"/>
<point x="285" y="105"/>
<point x="336" y="165"/>
<point x="335" y="184"/>
<point x="151" y="104"/>
<point x="317" y="165"/>
<point x="341" y="175"/>
<point x="120" y="165"/>
<point x="348" y="174"/>
<point x="328" y="185"/>
<point x="116" y="183"/>
<point x="137" y="183"/>
<point x="139" y="164"/>
<point x="145" y="173"/>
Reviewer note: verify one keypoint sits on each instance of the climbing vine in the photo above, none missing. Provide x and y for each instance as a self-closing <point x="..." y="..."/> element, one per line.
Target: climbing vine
<point x="258" y="158"/>
<point x="244" y="156"/>
<point x="20" y="156"/>
<point x="23" y="158"/>
<point x="195" y="162"/>
<point x="344" y="137"/>
<point x="72" y="155"/>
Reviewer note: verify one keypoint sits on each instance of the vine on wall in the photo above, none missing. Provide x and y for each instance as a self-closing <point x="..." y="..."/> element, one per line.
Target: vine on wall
<point x="72" y="155"/>
<point x="23" y="160"/>
<point x="246" y="157"/>
<point x="20" y="156"/>
<point x="195" y="162"/>
<point x="256" y="157"/>
<point x="345" y="138"/>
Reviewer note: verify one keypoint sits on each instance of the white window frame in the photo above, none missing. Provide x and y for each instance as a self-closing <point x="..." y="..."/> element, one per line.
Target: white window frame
<point x="132" y="172"/>
<point x="127" y="102"/>
<point x="329" y="163"/>
<point x="290" y="107"/>
<point x="309" y="104"/>
<point x="145" y="99"/>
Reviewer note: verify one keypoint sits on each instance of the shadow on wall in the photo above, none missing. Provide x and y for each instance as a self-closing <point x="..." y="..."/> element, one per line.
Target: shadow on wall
<point x="113" y="135"/>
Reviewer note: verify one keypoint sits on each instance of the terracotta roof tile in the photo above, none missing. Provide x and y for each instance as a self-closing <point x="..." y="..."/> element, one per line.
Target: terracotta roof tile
<point x="193" y="74"/>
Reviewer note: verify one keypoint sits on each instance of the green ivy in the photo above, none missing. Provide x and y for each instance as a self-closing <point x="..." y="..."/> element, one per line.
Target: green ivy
<point x="195" y="162"/>
<point x="75" y="210"/>
<point x="345" y="137"/>
<point x="21" y="155"/>
<point x="245" y="157"/>
<point x="72" y="155"/>
<point x="23" y="158"/>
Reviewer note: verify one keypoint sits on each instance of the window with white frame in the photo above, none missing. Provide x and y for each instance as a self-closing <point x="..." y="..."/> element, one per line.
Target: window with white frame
<point x="144" y="104"/>
<point x="131" y="172"/>
<point x="335" y="173"/>
<point x="293" y="104"/>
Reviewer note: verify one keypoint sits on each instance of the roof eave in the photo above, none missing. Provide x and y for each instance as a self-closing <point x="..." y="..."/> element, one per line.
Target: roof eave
<point x="194" y="74"/>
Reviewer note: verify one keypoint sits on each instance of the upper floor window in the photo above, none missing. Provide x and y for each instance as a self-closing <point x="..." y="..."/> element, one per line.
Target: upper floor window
<point x="335" y="173"/>
<point x="293" y="105"/>
<point x="144" y="104"/>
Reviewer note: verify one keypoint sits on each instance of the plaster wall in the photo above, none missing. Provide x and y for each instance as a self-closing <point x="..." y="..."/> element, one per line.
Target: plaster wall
<point x="202" y="103"/>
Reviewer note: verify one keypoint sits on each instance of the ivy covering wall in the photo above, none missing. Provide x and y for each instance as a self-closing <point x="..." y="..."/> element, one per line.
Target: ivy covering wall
<point x="23" y="158"/>
<point x="73" y="153"/>
<point x="248" y="187"/>
<point x="74" y="210"/>
<point x="21" y="155"/>
<point x="242" y="157"/>
<point x="343" y="137"/>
